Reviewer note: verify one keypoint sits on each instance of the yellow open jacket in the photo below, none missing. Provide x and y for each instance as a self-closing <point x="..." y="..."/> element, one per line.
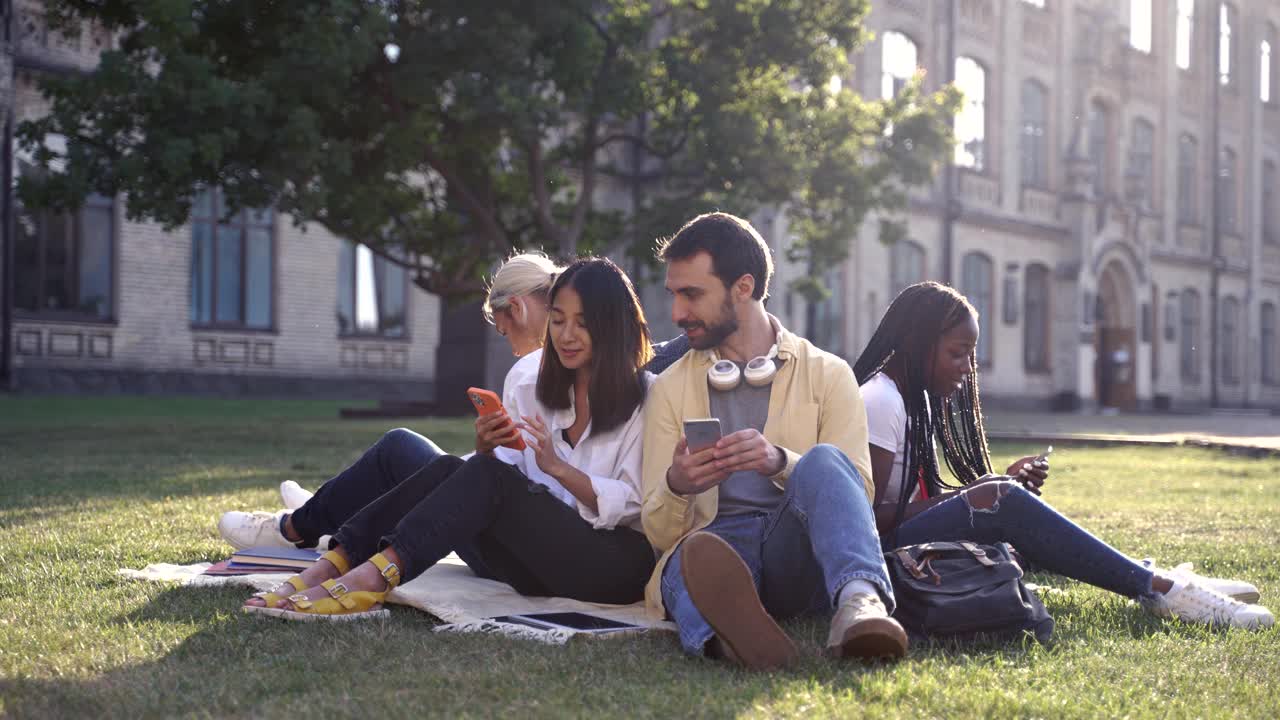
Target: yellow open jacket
<point x="814" y="400"/>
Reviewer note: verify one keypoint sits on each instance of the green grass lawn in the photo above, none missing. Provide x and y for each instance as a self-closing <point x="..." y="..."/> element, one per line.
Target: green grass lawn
<point x="91" y="485"/>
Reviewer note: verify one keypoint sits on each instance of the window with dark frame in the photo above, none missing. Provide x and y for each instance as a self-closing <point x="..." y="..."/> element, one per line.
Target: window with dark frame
<point x="1035" y="134"/>
<point x="1227" y="201"/>
<point x="1142" y="161"/>
<point x="1100" y="146"/>
<point x="1189" y="345"/>
<point x="906" y="266"/>
<point x="977" y="280"/>
<point x="64" y="262"/>
<point x="1188" y="205"/>
<point x="1270" y="198"/>
<point x="1035" y="323"/>
<point x="371" y="294"/>
<point x="1230" y="357"/>
<point x="232" y="265"/>
<point x="1267" y="348"/>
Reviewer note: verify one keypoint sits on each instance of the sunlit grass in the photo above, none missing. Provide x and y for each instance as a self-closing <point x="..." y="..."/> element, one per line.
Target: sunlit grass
<point x="88" y="486"/>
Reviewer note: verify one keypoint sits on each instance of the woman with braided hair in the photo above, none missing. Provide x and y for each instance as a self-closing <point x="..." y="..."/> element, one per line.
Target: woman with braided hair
<point x="919" y="381"/>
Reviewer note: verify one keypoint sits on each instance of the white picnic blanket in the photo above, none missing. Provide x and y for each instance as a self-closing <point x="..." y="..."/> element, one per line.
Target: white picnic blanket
<point x="449" y="591"/>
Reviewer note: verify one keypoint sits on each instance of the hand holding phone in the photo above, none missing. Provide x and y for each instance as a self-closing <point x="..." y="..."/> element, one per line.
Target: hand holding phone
<point x="691" y="473"/>
<point x="493" y="426"/>
<point x="1031" y="472"/>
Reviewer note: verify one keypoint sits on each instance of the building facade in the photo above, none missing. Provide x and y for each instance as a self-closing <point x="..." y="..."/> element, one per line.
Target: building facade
<point x="1112" y="206"/>
<point x="253" y="304"/>
<point x="1112" y="209"/>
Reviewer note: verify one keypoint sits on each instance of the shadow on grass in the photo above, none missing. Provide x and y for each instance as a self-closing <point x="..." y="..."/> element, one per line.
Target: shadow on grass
<point x="234" y="664"/>
<point x="242" y="665"/>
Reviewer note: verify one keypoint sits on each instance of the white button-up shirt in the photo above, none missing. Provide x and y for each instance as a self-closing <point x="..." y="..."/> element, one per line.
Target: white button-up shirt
<point x="610" y="459"/>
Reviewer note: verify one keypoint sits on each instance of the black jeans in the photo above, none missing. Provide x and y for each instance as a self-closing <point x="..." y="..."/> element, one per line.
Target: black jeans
<point x="505" y="526"/>
<point x="387" y="463"/>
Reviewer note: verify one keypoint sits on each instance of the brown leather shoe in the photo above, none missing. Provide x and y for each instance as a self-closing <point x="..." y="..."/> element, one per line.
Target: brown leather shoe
<point x="862" y="628"/>
<point x="721" y="587"/>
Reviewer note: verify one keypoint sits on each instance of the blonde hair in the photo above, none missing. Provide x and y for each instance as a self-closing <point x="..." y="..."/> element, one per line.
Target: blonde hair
<point x="523" y="274"/>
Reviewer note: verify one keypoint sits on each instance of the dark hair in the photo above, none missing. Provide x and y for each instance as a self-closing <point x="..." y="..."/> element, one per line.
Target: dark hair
<point x="620" y="345"/>
<point x="908" y="334"/>
<point x="736" y="249"/>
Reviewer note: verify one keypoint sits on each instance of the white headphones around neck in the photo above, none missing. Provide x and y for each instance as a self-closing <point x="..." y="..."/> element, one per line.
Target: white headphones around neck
<point x="724" y="375"/>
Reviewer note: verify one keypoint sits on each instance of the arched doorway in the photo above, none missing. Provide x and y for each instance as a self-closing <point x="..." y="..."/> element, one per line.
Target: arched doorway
<point x="1116" y="318"/>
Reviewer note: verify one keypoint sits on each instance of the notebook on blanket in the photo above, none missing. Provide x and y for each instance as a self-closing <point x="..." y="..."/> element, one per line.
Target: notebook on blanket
<point x="259" y="560"/>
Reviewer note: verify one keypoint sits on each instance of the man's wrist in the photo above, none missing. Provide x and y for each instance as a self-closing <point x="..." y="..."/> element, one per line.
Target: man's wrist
<point x="671" y="487"/>
<point x="780" y="463"/>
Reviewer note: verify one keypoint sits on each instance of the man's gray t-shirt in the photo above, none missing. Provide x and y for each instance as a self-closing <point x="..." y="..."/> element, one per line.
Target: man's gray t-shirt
<point x="745" y="491"/>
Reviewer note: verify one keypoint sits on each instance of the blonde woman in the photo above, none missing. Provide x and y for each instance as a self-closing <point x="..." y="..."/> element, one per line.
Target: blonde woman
<point x="516" y="305"/>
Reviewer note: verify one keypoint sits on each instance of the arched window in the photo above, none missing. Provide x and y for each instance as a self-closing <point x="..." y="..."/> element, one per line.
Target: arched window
<point x="1226" y="25"/>
<point x="1265" y="89"/>
<point x="1035" y="336"/>
<point x="1188" y="195"/>
<point x="977" y="283"/>
<point x="1189" y="339"/>
<point x="1227" y="201"/>
<point x="971" y="121"/>
<point x="906" y="266"/>
<point x="1100" y="146"/>
<point x="1230" y="340"/>
<point x="1142" y="161"/>
<point x="1140" y="25"/>
<point x="1184" y="33"/>
<point x="1035" y="134"/>
<point x="1267" y="322"/>
<point x="899" y="61"/>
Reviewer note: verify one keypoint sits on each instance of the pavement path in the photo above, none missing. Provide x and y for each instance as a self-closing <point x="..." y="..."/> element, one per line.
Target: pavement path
<point x="1244" y="430"/>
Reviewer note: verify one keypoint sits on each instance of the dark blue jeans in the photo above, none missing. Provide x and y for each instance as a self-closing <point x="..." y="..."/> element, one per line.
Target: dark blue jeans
<point x="802" y="554"/>
<point x="387" y="463"/>
<point x="1039" y="533"/>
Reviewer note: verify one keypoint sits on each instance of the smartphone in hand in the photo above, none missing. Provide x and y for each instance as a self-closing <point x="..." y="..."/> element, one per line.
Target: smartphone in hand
<point x="701" y="433"/>
<point x="486" y="402"/>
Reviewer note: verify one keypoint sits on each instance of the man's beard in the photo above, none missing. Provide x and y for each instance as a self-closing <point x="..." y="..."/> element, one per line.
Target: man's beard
<point x="716" y="332"/>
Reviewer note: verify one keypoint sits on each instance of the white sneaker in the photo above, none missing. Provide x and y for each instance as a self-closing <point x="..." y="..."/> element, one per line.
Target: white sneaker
<point x="252" y="529"/>
<point x="1235" y="589"/>
<point x="294" y="495"/>
<point x="1190" y="602"/>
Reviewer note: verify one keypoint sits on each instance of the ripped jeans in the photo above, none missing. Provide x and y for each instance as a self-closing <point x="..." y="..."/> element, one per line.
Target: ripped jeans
<point x="1040" y="533"/>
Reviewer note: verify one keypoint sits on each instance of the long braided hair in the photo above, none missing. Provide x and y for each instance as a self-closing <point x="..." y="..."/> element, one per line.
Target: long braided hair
<point x="910" y="330"/>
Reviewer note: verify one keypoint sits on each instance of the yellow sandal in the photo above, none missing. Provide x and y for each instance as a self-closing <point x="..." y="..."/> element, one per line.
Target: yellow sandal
<point x="271" y="598"/>
<point x="342" y="604"/>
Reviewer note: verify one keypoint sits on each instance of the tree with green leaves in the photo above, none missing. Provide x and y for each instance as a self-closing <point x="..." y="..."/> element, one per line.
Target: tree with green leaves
<point x="446" y="134"/>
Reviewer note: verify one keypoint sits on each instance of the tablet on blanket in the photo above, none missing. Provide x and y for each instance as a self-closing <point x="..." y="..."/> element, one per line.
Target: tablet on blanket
<point x="577" y="621"/>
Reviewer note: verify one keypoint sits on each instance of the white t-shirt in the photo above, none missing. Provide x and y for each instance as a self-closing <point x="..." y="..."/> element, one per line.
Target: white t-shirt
<point x="611" y="459"/>
<point x="887" y="428"/>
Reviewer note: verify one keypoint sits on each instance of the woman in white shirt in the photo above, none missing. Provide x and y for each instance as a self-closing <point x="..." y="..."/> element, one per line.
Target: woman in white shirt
<point x="559" y="518"/>
<point x="516" y="305"/>
<point x="919" y="381"/>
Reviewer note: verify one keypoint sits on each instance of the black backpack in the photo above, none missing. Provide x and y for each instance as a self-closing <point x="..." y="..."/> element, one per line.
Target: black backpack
<point x="963" y="591"/>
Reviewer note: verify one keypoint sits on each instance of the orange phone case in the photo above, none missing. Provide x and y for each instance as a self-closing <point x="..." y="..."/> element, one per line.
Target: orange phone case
<point x="487" y="403"/>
